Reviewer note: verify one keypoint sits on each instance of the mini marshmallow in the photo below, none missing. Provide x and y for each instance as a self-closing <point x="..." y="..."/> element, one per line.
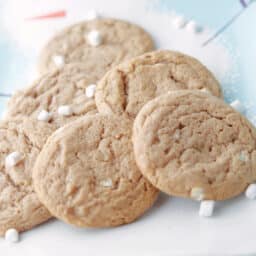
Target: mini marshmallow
<point x="193" y="27"/>
<point x="251" y="191"/>
<point x="237" y="105"/>
<point x="90" y="90"/>
<point x="206" y="208"/>
<point x="106" y="183"/>
<point x="58" y="60"/>
<point x="197" y="193"/>
<point x="94" y="38"/>
<point x="12" y="235"/>
<point x="13" y="159"/>
<point x="179" y="22"/>
<point x="92" y="15"/>
<point x="65" y="110"/>
<point x="44" y="116"/>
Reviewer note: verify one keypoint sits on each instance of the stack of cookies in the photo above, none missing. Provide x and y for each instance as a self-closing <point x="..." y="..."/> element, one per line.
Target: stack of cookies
<point x="107" y="125"/>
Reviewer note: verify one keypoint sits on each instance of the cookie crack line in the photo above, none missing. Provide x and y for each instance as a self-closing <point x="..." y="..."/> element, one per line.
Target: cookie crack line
<point x="206" y="112"/>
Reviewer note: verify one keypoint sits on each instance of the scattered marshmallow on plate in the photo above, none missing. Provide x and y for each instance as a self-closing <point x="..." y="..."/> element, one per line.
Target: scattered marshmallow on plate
<point x="193" y="27"/>
<point x="251" y="191"/>
<point x="179" y="22"/>
<point x="12" y="235"/>
<point x="206" y="208"/>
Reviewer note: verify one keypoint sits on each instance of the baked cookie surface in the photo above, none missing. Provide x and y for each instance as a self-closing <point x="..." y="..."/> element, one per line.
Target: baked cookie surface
<point x="19" y="148"/>
<point x="86" y="174"/>
<point x="115" y="41"/>
<point x="128" y="86"/>
<point x="191" y="144"/>
<point x="53" y="92"/>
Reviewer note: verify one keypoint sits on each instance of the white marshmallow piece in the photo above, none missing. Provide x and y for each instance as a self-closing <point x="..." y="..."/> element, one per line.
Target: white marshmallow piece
<point x="206" y="208"/>
<point x="92" y="15"/>
<point x="179" y="22"/>
<point x="94" y="38"/>
<point x="251" y="191"/>
<point x="237" y="105"/>
<point x="197" y="193"/>
<point x="12" y="235"/>
<point x="106" y="183"/>
<point x="44" y="116"/>
<point x="193" y="27"/>
<point x="90" y="90"/>
<point x="58" y="60"/>
<point x="65" y="110"/>
<point x="13" y="159"/>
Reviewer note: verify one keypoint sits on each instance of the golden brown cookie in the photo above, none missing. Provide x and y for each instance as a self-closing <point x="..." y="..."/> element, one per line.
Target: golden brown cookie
<point x="56" y="98"/>
<point x="127" y="87"/>
<point x="100" y="44"/>
<point x="19" y="147"/>
<point x="191" y="144"/>
<point x="86" y="174"/>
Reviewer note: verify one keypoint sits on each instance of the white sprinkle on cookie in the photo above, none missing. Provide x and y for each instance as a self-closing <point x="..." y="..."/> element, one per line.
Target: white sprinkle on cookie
<point x="94" y="38"/>
<point x="58" y="60"/>
<point x="107" y="183"/>
<point x="65" y="110"/>
<point x="44" y="116"/>
<point x="13" y="159"/>
<point x="90" y="90"/>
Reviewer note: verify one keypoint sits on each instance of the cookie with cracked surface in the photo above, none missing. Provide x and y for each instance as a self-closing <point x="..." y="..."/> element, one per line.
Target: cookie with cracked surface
<point x="56" y="98"/>
<point x="86" y="174"/>
<point x="19" y="148"/>
<point x="191" y="144"/>
<point x="127" y="87"/>
<point x="100" y="44"/>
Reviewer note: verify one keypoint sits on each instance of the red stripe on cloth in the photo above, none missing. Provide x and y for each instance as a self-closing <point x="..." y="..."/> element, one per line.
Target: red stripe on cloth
<point x="52" y="15"/>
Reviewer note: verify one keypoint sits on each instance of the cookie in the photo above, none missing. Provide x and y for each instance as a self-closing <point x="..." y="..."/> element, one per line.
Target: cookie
<point x="86" y="174"/>
<point x="100" y="44"/>
<point x="191" y="144"/>
<point x="127" y="87"/>
<point x="20" y="145"/>
<point x="57" y="98"/>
